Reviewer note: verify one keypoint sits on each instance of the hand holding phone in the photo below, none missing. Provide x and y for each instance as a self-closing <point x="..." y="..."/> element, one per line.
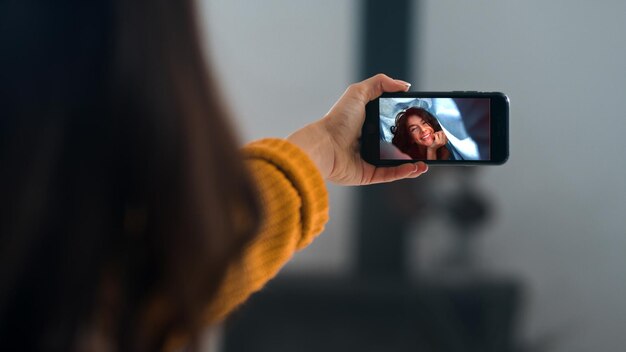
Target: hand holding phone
<point x="332" y="143"/>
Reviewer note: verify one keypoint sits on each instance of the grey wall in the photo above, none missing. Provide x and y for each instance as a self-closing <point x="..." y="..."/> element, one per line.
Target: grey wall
<point x="560" y="201"/>
<point x="561" y="198"/>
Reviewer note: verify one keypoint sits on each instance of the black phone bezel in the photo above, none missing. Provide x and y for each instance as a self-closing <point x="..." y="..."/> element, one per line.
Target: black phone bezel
<point x="499" y="128"/>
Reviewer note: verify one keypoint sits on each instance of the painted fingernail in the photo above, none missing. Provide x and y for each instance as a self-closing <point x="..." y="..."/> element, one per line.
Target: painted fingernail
<point x="407" y="84"/>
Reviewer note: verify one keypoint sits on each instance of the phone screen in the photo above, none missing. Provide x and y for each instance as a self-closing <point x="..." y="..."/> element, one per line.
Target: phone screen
<point x="435" y="128"/>
<point x="440" y="128"/>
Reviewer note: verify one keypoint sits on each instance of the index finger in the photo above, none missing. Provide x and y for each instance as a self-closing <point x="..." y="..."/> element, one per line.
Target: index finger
<point x="373" y="87"/>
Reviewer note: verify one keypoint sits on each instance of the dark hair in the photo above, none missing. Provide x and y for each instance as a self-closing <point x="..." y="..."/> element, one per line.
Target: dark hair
<point x="402" y="138"/>
<point x="124" y="197"/>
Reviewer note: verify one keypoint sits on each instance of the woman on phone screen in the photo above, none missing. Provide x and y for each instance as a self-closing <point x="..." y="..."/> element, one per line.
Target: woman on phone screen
<point x="418" y="134"/>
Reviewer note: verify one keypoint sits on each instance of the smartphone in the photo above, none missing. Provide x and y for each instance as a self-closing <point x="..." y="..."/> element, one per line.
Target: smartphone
<point x="447" y="128"/>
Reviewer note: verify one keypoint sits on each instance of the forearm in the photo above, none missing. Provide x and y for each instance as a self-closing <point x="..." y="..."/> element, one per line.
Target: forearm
<point x="295" y="208"/>
<point x="431" y="154"/>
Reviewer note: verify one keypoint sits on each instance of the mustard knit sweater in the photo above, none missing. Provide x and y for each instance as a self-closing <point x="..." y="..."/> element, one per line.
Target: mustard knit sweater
<point x="295" y="202"/>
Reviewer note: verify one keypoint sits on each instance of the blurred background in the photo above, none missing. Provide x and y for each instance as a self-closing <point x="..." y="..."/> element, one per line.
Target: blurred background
<point x="528" y="256"/>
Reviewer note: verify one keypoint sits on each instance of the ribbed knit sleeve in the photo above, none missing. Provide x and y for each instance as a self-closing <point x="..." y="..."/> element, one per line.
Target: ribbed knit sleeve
<point x="295" y="207"/>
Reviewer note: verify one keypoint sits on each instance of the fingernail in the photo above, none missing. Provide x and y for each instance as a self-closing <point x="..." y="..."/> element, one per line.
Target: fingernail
<point x="407" y="84"/>
<point x="417" y="167"/>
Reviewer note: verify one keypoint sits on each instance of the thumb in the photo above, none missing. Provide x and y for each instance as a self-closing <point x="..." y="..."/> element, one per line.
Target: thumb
<point x="394" y="173"/>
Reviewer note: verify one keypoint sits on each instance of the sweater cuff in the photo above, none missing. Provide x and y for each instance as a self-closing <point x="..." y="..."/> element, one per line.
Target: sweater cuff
<point x="300" y="170"/>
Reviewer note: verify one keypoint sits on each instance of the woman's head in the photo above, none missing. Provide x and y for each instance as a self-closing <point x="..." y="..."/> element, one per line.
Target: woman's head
<point x="414" y="129"/>
<point x="121" y="206"/>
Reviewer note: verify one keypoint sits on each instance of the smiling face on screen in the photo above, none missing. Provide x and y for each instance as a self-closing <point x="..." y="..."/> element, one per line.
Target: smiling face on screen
<point x="420" y="131"/>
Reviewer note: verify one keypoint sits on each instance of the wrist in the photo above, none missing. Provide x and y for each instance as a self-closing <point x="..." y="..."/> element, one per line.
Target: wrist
<point x="312" y="139"/>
